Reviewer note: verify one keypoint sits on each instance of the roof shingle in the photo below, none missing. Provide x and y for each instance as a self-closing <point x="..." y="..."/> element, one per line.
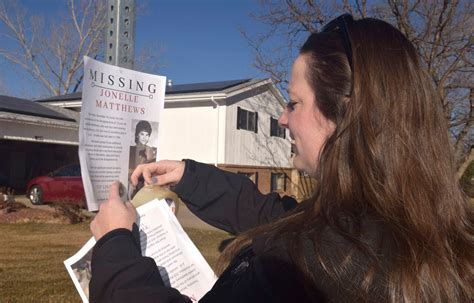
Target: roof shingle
<point x="30" y="108"/>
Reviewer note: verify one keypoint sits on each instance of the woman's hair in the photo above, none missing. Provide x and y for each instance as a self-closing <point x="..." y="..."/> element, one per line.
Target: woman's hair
<point x="142" y="126"/>
<point x="389" y="158"/>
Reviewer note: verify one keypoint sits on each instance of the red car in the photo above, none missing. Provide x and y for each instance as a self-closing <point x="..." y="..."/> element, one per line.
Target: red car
<point x="61" y="185"/>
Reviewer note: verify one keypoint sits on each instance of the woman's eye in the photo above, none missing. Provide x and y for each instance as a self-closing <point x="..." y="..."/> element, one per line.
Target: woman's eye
<point x="291" y="105"/>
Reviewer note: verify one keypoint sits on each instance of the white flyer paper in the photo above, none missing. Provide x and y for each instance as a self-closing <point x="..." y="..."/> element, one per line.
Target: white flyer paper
<point x="162" y="238"/>
<point x="181" y="264"/>
<point x="119" y="125"/>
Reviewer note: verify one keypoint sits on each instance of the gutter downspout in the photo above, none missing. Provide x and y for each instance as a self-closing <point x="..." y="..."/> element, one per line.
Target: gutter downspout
<point x="217" y="130"/>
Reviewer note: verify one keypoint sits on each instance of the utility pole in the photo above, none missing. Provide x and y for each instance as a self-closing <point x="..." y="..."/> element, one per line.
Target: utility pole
<point x="120" y="41"/>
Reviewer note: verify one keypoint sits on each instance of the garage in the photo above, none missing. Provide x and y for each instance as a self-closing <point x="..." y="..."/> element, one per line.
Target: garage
<point x="34" y="140"/>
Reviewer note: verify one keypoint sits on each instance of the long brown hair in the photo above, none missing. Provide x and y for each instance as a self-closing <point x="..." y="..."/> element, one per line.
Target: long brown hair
<point x="389" y="156"/>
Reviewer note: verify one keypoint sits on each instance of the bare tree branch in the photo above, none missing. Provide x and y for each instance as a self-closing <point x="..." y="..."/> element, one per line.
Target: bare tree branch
<point x="54" y="57"/>
<point x="441" y="32"/>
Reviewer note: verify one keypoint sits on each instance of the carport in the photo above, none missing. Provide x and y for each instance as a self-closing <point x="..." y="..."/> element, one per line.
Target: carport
<point x="34" y="139"/>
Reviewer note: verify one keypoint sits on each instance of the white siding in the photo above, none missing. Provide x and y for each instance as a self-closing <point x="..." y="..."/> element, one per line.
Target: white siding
<point x="245" y="147"/>
<point x="222" y="134"/>
<point x="189" y="132"/>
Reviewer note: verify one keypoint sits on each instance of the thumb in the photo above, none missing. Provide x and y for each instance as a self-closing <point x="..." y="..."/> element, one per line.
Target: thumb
<point x="114" y="191"/>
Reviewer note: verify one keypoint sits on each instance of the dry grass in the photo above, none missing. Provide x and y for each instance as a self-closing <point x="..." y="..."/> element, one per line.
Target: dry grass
<point x="32" y="255"/>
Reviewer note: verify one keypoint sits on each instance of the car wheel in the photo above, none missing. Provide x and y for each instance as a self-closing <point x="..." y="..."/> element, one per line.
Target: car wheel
<point x="36" y="195"/>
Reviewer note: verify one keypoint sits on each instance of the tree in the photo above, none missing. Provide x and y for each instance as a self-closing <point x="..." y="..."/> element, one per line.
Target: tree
<point x="52" y="52"/>
<point x="440" y="30"/>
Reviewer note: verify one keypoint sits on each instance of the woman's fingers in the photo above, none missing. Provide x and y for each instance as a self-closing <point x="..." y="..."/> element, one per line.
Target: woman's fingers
<point x="165" y="179"/>
<point x="166" y="172"/>
<point x="113" y="214"/>
<point x="147" y="173"/>
<point x="114" y="191"/>
<point x="146" y="170"/>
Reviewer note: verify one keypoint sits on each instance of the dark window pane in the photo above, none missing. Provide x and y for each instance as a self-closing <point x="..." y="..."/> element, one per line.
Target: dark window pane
<point x="255" y="129"/>
<point x="278" y="182"/>
<point x="247" y="120"/>
<point x="251" y="121"/>
<point x="275" y="129"/>
<point x="243" y="119"/>
<point x="272" y="127"/>
<point x="238" y="118"/>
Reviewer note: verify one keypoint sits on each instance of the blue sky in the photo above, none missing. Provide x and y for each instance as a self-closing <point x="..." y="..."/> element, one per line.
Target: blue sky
<point x="200" y="39"/>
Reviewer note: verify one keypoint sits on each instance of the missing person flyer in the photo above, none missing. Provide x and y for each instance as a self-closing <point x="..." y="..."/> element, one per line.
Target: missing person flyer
<point x="162" y="238"/>
<point x="119" y="126"/>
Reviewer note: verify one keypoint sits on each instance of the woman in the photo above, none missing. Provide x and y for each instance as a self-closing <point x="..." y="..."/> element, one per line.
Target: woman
<point x="387" y="222"/>
<point x="141" y="153"/>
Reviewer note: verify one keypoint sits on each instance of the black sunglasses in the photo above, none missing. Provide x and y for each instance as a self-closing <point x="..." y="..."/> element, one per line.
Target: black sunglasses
<point x="340" y="24"/>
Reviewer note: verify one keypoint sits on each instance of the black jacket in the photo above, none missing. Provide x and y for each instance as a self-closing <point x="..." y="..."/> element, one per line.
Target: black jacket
<point x="262" y="272"/>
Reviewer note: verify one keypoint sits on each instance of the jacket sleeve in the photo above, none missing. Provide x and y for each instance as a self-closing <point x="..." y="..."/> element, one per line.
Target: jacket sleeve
<point x="121" y="274"/>
<point x="227" y="200"/>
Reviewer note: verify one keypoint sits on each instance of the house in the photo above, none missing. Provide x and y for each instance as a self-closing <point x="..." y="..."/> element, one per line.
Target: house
<point x="230" y="124"/>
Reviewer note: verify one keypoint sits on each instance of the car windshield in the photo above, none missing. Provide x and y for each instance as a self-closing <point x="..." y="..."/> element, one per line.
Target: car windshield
<point x="68" y="171"/>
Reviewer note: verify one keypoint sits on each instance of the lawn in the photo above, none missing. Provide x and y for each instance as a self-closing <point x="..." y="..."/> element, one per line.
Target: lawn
<point x="32" y="255"/>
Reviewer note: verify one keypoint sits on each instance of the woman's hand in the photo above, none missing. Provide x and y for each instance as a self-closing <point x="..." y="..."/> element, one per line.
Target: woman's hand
<point x="166" y="172"/>
<point x="113" y="214"/>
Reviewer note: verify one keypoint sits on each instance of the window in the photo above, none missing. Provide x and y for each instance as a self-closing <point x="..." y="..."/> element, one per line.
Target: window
<point x="247" y="120"/>
<point x="275" y="129"/>
<point x="278" y="182"/>
<point x="250" y="175"/>
<point x="68" y="171"/>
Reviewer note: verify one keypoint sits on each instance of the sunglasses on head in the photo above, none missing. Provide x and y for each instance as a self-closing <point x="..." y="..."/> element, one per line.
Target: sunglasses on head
<point x="340" y="24"/>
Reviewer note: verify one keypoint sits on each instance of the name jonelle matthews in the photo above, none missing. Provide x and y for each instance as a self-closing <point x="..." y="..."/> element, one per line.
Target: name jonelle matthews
<point x="110" y="88"/>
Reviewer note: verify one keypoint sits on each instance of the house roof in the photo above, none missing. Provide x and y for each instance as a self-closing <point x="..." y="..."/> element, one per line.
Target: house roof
<point x="30" y="108"/>
<point x="203" y="87"/>
<point x="170" y="89"/>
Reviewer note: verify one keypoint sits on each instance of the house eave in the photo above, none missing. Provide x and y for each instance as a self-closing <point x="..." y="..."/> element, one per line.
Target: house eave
<point x="32" y="120"/>
<point x="178" y="98"/>
<point x="38" y="140"/>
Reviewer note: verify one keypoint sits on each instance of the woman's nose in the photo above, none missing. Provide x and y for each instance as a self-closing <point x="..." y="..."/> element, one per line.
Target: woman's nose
<point x="283" y="120"/>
